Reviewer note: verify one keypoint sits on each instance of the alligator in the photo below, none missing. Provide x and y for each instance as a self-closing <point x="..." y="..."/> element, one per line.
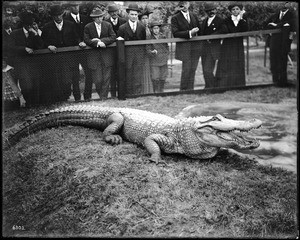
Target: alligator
<point x="196" y="137"/>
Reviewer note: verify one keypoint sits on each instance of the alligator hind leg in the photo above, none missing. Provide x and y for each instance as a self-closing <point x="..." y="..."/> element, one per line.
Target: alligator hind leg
<point x="115" y="123"/>
<point x="154" y="143"/>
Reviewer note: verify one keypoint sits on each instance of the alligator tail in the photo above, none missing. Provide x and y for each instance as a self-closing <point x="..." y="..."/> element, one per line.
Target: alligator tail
<point x="53" y="118"/>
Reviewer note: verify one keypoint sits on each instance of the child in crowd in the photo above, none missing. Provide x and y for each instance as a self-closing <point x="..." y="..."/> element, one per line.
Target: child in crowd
<point x="12" y="95"/>
<point x="159" y="53"/>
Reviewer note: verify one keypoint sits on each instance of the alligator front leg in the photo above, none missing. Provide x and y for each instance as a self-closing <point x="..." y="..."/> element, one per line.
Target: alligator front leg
<point x="154" y="143"/>
<point x="115" y="123"/>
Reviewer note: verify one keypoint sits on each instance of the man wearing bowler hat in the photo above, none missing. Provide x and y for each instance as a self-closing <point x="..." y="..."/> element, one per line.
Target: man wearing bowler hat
<point x="116" y="21"/>
<point x="80" y="20"/>
<point x="211" y="48"/>
<point x="98" y="35"/>
<point x="24" y="41"/>
<point x="186" y="25"/>
<point x="135" y="55"/>
<point x="60" y="33"/>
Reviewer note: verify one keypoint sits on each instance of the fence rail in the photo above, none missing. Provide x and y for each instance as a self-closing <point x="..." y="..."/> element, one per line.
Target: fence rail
<point x="168" y="40"/>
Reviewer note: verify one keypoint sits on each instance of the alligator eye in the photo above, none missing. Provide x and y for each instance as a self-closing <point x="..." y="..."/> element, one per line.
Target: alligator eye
<point x="215" y="118"/>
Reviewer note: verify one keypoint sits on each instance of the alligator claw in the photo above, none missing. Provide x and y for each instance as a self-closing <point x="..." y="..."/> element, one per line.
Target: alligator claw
<point x="113" y="139"/>
<point x="157" y="159"/>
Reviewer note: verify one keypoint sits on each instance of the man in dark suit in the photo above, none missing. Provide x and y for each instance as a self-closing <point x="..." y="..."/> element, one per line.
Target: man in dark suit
<point x="186" y="25"/>
<point x="98" y="35"/>
<point x="116" y="21"/>
<point x="80" y="22"/>
<point x="280" y="43"/>
<point x="25" y="41"/>
<point x="212" y="24"/>
<point x="135" y="55"/>
<point x="56" y="34"/>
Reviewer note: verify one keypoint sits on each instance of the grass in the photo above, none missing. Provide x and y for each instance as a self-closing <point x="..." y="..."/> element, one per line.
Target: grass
<point x="67" y="182"/>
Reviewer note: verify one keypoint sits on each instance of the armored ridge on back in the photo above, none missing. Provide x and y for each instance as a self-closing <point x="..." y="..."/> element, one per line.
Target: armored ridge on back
<point x="198" y="138"/>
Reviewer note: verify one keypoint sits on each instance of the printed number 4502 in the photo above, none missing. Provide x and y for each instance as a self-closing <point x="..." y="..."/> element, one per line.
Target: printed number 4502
<point x="15" y="227"/>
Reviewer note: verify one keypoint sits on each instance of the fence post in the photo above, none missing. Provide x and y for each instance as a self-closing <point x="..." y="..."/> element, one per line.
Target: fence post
<point x="247" y="55"/>
<point x="121" y="69"/>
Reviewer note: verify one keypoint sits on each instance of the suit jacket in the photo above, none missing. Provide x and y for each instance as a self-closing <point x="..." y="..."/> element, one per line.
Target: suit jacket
<point x="84" y="20"/>
<point x="217" y="26"/>
<point x="289" y="18"/>
<point x="116" y="27"/>
<point x="134" y="53"/>
<point x="65" y="38"/>
<point x="278" y="40"/>
<point x="180" y="29"/>
<point x="25" y="63"/>
<point x="107" y="36"/>
<point x="126" y="32"/>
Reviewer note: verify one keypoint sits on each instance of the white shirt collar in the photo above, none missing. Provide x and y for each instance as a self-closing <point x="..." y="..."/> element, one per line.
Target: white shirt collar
<point x="59" y="26"/>
<point x="210" y="19"/>
<point x="25" y="32"/>
<point x="132" y="23"/>
<point x="114" y="20"/>
<point x="97" y="25"/>
<point x="74" y="16"/>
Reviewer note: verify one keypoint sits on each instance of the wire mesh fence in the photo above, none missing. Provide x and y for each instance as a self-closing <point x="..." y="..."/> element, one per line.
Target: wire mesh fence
<point x="133" y="68"/>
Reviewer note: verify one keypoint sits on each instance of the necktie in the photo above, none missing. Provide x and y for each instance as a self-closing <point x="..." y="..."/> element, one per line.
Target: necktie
<point x="133" y="27"/>
<point x="9" y="31"/>
<point x="188" y="18"/>
<point x="281" y="15"/>
<point x="99" y="30"/>
<point x="77" y="20"/>
<point x="114" y="21"/>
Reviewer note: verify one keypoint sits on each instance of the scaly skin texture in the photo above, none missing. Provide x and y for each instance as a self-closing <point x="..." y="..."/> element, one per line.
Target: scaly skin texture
<point x="199" y="137"/>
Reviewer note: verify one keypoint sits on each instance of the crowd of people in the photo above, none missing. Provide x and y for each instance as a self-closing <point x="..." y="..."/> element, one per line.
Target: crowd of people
<point x="223" y="61"/>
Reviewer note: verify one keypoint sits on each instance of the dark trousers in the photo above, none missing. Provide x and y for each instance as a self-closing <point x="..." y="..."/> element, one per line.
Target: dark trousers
<point x="188" y="72"/>
<point x="101" y="77"/>
<point x="280" y="45"/>
<point x="208" y="66"/>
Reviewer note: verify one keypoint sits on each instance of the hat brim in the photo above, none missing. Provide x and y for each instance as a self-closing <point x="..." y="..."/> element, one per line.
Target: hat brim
<point x="133" y="9"/>
<point x="97" y="15"/>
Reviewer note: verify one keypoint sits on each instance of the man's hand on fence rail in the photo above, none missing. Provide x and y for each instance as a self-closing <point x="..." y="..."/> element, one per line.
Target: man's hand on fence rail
<point x="52" y="48"/>
<point x="82" y="44"/>
<point x="29" y="50"/>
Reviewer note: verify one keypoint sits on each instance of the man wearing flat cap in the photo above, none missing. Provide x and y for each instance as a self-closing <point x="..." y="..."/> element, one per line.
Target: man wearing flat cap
<point x="25" y="41"/>
<point x="80" y="21"/>
<point x="186" y="25"/>
<point x="99" y="34"/>
<point x="135" y="55"/>
<point x="211" y="48"/>
<point x="60" y="33"/>
<point x="116" y="21"/>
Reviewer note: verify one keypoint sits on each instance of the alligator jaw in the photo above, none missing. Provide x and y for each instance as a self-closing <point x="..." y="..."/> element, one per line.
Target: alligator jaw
<point x="237" y="140"/>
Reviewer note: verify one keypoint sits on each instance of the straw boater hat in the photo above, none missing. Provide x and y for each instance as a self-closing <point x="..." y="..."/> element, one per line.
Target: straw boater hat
<point x="97" y="13"/>
<point x="133" y="6"/>
<point x="56" y="10"/>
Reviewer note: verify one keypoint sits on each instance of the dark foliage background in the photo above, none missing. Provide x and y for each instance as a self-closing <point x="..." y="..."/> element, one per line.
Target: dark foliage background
<point x="257" y="13"/>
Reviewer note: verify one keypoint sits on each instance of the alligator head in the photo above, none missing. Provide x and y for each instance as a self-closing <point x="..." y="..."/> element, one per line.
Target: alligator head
<point x="219" y="131"/>
<point x="210" y="133"/>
